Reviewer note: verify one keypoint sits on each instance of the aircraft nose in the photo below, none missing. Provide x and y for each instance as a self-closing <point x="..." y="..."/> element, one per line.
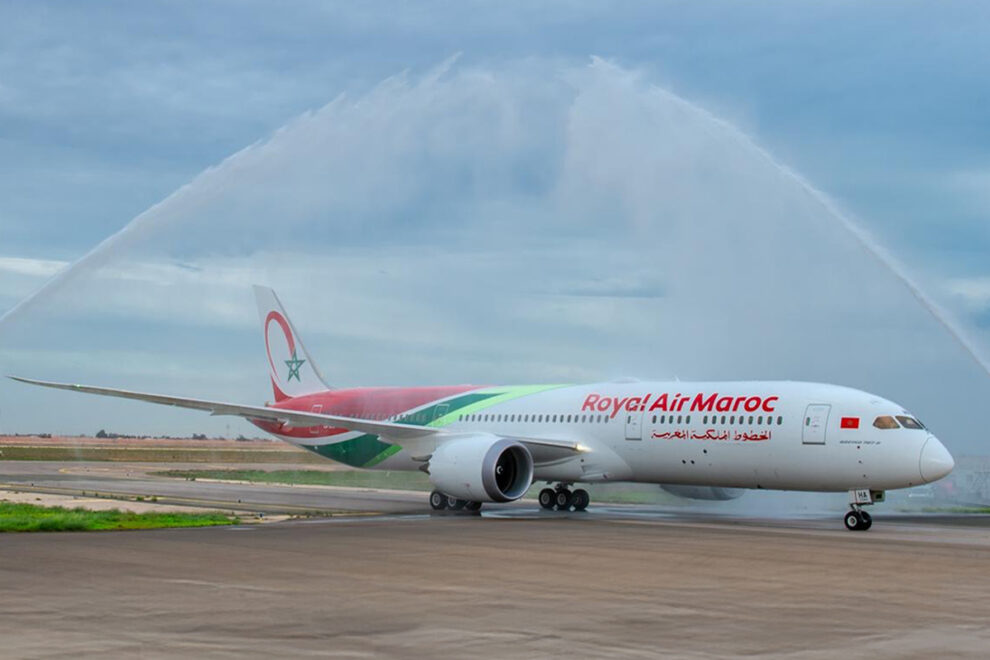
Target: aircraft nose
<point x="936" y="461"/>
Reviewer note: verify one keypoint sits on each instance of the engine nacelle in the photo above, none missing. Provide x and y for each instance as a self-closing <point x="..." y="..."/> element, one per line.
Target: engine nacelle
<point x="482" y="469"/>
<point x="704" y="492"/>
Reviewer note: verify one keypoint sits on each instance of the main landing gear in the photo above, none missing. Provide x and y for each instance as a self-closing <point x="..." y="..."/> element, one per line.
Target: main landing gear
<point x="562" y="499"/>
<point x="857" y="520"/>
<point x="440" y="502"/>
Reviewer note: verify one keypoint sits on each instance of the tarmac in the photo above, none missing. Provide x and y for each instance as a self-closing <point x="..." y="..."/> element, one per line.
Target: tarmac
<point x="395" y="581"/>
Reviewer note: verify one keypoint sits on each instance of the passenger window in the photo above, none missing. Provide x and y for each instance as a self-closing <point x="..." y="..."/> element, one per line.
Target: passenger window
<point x="886" y="422"/>
<point x="759" y="420"/>
<point x="654" y="419"/>
<point x="909" y="422"/>
<point x="688" y="420"/>
<point x="732" y="420"/>
<point x="750" y="419"/>
<point x="780" y="420"/>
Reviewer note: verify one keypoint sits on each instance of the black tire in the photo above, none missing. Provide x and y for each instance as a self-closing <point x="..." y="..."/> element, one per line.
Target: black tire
<point x="867" y="520"/>
<point x="472" y="506"/>
<point x="547" y="498"/>
<point x="562" y="499"/>
<point x="853" y="521"/>
<point x="455" y="504"/>
<point x="580" y="499"/>
<point x="438" y="501"/>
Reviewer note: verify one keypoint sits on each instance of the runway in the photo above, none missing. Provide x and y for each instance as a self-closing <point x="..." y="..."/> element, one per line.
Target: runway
<point x="620" y="581"/>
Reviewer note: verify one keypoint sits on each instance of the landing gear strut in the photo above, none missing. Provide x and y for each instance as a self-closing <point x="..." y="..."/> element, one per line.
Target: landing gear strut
<point x="562" y="499"/>
<point x="857" y="520"/>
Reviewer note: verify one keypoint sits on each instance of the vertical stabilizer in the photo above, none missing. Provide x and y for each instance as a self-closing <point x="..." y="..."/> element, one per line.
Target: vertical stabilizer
<point x="292" y="370"/>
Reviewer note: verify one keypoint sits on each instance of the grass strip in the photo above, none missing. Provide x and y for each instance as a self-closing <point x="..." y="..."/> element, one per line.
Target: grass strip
<point x="32" y="518"/>
<point x="956" y="509"/>
<point x="349" y="478"/>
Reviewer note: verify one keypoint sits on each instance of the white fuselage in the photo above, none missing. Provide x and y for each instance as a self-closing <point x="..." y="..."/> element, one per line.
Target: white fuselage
<point x="773" y="435"/>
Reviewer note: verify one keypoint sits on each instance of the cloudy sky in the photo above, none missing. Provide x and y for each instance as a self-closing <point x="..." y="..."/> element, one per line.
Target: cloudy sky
<point x="492" y="192"/>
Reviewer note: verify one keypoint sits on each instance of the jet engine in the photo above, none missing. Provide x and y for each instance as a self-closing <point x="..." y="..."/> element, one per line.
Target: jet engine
<point x="704" y="492"/>
<point x="482" y="468"/>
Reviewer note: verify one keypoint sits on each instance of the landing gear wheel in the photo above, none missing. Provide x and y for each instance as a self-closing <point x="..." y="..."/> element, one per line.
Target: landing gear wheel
<point x="472" y="506"/>
<point x="563" y="499"/>
<point x="455" y="504"/>
<point x="853" y="521"/>
<point x="858" y="521"/>
<point x="580" y="499"/>
<point x="867" y="520"/>
<point x="548" y="498"/>
<point x="438" y="500"/>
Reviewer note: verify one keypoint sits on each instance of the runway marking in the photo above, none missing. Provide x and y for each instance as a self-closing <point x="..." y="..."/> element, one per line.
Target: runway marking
<point x="215" y="585"/>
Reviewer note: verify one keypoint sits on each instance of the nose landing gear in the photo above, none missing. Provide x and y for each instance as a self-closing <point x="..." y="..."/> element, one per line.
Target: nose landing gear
<point x="562" y="499"/>
<point x="857" y="520"/>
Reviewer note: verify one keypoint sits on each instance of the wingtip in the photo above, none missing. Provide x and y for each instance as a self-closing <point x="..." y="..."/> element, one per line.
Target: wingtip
<point x="30" y="381"/>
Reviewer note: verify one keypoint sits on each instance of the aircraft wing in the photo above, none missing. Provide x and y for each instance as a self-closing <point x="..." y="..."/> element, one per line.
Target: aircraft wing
<point x="398" y="432"/>
<point x="412" y="438"/>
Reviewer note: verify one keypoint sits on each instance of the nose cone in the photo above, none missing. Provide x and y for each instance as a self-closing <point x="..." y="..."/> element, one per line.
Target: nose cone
<point x="936" y="461"/>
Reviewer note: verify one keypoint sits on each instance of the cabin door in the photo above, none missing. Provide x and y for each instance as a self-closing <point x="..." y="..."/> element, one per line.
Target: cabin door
<point x="634" y="425"/>
<point x="815" y="422"/>
<point x="440" y="410"/>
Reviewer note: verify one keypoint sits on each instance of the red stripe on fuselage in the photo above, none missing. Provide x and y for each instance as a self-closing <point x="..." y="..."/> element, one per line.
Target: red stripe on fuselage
<point x="363" y="402"/>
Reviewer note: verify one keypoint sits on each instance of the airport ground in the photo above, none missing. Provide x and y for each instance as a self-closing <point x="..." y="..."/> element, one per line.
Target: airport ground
<point x="372" y="573"/>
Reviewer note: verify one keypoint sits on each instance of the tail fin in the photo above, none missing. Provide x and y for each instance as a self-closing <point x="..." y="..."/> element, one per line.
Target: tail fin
<point x="292" y="370"/>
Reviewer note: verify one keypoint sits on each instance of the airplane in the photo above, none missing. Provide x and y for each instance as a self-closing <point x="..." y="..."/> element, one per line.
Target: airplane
<point x="484" y="444"/>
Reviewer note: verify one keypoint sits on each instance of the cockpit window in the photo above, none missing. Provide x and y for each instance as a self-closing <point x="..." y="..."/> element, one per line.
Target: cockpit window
<point x="909" y="422"/>
<point x="886" y="422"/>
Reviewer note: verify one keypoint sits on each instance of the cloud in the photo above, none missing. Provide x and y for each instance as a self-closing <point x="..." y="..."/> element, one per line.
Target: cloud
<point x="32" y="267"/>
<point x="974" y="291"/>
<point x="973" y="188"/>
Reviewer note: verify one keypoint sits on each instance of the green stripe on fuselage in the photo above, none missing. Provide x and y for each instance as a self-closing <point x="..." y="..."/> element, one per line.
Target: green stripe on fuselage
<point x="368" y="450"/>
<point x="492" y="397"/>
<point x="363" y="451"/>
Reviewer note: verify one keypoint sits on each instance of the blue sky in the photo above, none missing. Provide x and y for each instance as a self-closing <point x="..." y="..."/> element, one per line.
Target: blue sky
<point x="107" y="109"/>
